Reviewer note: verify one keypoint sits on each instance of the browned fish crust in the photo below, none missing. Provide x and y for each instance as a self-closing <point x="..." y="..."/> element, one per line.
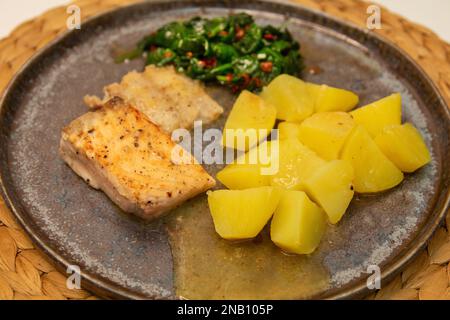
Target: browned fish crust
<point x="117" y="149"/>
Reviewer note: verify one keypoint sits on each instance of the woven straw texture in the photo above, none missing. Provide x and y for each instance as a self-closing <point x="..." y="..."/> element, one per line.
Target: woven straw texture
<point x="26" y="274"/>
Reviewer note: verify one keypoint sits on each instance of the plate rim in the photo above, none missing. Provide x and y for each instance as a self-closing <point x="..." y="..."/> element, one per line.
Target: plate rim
<point x="107" y="289"/>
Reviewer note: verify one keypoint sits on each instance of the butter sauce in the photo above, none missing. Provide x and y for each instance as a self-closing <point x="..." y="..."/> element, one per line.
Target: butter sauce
<point x="208" y="267"/>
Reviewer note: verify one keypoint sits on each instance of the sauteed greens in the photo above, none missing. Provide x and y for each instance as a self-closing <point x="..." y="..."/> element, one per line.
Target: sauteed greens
<point x="233" y="51"/>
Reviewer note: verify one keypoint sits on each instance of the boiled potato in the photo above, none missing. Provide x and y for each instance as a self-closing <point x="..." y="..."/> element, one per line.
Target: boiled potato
<point x="377" y="115"/>
<point x="252" y="169"/>
<point x="332" y="99"/>
<point x="242" y="214"/>
<point x="296" y="163"/>
<point x="404" y="146"/>
<point x="238" y="177"/>
<point x="331" y="187"/>
<point x="288" y="130"/>
<point x="290" y="96"/>
<point x="374" y="172"/>
<point x="326" y="132"/>
<point x="249" y="122"/>
<point x="298" y="224"/>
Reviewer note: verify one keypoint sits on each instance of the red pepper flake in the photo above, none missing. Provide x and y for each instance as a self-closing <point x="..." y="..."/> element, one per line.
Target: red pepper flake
<point x="223" y="33"/>
<point x="210" y="62"/>
<point x="257" y="82"/>
<point x="269" y="36"/>
<point x="229" y="77"/>
<point x="189" y="54"/>
<point x="201" y="63"/>
<point x="240" y="33"/>
<point x="235" y="88"/>
<point x="266" y="66"/>
<point x="246" y="79"/>
<point x="167" y="54"/>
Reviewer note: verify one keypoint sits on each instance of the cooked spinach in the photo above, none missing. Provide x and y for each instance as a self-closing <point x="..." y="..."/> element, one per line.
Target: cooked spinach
<point x="233" y="51"/>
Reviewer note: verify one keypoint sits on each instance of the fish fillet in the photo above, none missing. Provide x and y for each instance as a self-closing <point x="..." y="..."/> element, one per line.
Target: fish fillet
<point x="169" y="99"/>
<point x="117" y="149"/>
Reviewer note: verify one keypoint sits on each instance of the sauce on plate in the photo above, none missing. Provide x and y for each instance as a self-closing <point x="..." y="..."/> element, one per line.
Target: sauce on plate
<point x="208" y="267"/>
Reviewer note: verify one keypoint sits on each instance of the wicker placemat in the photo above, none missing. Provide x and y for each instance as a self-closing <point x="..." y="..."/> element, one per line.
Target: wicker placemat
<point x="26" y="274"/>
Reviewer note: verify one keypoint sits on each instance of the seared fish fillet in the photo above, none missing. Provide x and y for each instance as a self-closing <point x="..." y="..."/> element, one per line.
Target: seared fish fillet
<point x="169" y="99"/>
<point x="116" y="148"/>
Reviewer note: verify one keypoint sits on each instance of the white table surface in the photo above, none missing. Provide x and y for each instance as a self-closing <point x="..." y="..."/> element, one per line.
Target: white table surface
<point x="432" y="13"/>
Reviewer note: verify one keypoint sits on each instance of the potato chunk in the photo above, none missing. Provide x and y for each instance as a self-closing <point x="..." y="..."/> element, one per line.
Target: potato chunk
<point x="331" y="187"/>
<point x="253" y="169"/>
<point x="239" y="177"/>
<point x="288" y="130"/>
<point x="332" y="99"/>
<point x="250" y="114"/>
<point x="291" y="97"/>
<point x="298" y="224"/>
<point x="379" y="114"/>
<point x="296" y="163"/>
<point x="374" y="172"/>
<point x="404" y="146"/>
<point x="242" y="214"/>
<point x="326" y="132"/>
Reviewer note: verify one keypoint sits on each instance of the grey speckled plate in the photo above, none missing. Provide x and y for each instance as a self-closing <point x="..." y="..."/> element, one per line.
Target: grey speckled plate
<point x="122" y="257"/>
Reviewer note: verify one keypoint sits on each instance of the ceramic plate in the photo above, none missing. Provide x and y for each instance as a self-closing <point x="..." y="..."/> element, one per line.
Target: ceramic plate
<point x="181" y="255"/>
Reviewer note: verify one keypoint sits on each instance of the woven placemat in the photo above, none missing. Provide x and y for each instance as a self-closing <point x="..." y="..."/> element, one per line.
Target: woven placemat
<point x="26" y="274"/>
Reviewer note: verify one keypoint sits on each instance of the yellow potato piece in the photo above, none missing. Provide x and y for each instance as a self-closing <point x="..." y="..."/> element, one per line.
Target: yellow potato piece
<point x="238" y="177"/>
<point x="249" y="122"/>
<point x="325" y="133"/>
<point x="331" y="187"/>
<point x="288" y="130"/>
<point x="242" y="214"/>
<point x="379" y="114"/>
<point x="298" y="224"/>
<point x="296" y="163"/>
<point x="374" y="172"/>
<point x="332" y="99"/>
<point x="290" y="96"/>
<point x="404" y="146"/>
<point x="252" y="169"/>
